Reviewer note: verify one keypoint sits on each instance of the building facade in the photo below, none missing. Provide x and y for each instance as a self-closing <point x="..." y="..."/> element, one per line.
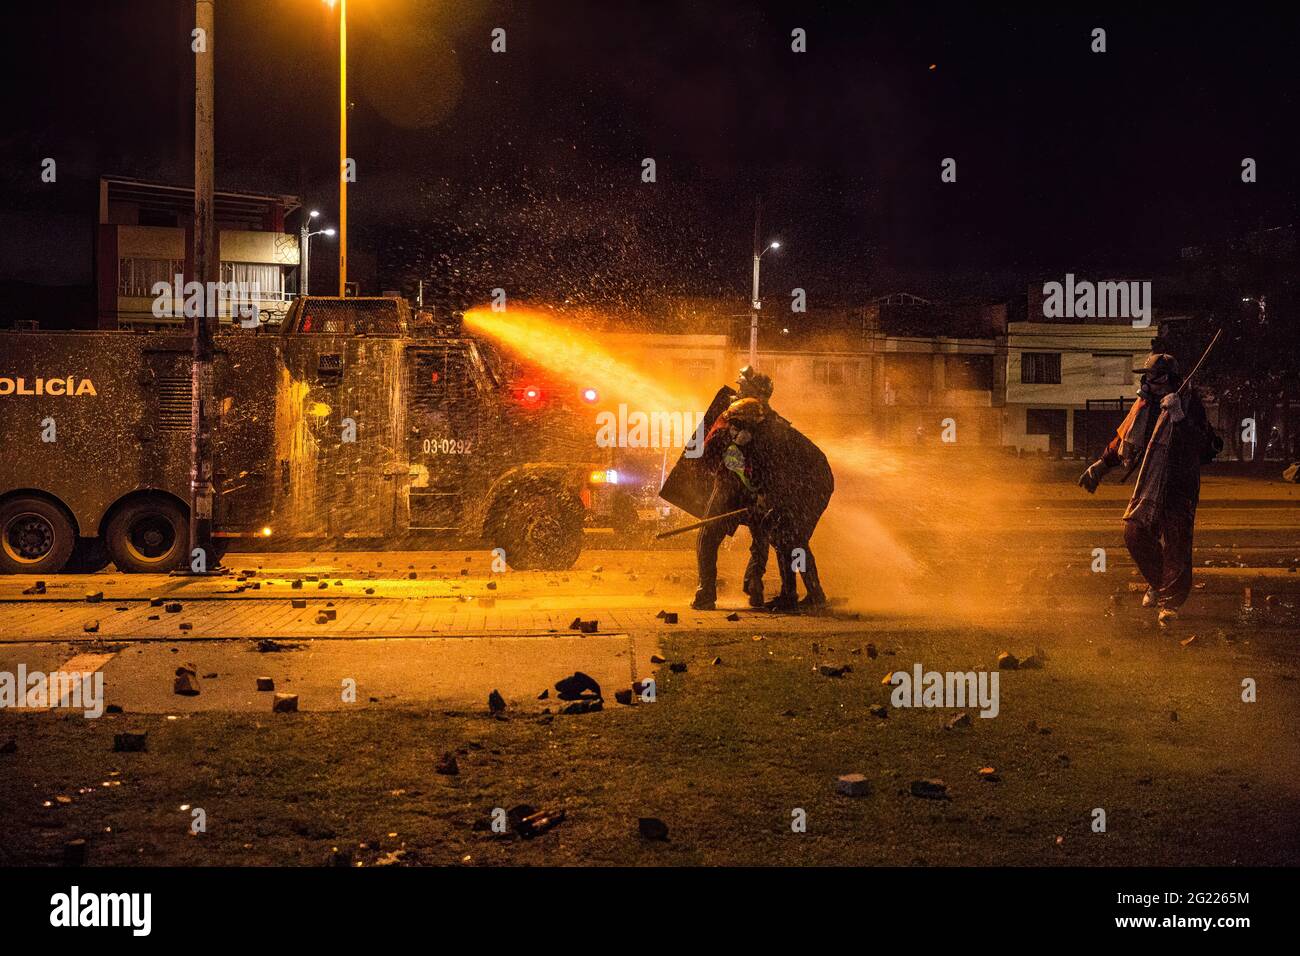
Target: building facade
<point x="907" y="371"/>
<point x="145" y="236"/>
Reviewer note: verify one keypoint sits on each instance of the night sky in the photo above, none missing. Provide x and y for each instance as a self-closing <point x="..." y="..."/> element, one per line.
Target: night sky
<point x="523" y="169"/>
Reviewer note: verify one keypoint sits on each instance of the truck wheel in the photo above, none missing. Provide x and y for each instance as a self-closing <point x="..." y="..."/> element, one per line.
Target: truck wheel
<point x="36" y="537"/>
<point x="148" y="536"/>
<point x="540" y="529"/>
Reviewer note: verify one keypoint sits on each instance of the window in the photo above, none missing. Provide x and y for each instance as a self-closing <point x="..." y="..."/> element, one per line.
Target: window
<point x="907" y="379"/>
<point x="1040" y="368"/>
<point x="969" y="372"/>
<point x="137" y="276"/>
<point x="1110" y="369"/>
<point x="834" y="373"/>
<point x="268" y="278"/>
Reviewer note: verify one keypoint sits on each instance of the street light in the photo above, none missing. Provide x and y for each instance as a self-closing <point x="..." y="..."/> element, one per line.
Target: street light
<point x="755" y="304"/>
<point x="304" y="250"/>
<point x="343" y="143"/>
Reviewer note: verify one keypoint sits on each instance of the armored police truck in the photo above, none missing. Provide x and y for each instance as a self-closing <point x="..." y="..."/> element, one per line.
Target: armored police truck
<point x="357" y="421"/>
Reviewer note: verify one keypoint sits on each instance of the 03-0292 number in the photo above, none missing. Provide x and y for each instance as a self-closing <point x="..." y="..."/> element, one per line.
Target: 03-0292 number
<point x="448" y="446"/>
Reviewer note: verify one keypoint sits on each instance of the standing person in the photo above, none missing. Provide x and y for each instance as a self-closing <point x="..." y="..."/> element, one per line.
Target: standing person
<point x="755" y="384"/>
<point x="727" y="454"/>
<point x="795" y="485"/>
<point x="1166" y="435"/>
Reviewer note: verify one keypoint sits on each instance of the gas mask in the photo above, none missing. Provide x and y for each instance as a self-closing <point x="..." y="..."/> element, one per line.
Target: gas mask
<point x="1157" y="386"/>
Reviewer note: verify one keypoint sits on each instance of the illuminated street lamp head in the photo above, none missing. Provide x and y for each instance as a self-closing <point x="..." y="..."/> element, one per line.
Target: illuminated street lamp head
<point x="775" y="245"/>
<point x="315" y="213"/>
<point x="329" y="232"/>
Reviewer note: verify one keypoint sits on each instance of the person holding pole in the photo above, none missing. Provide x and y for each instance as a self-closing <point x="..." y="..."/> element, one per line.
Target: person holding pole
<point x="1166" y="438"/>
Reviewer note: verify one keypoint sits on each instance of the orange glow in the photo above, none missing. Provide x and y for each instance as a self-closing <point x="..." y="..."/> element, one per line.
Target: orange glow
<point x="572" y="354"/>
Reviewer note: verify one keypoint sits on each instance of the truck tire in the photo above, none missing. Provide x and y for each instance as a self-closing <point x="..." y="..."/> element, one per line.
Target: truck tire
<point x="148" y="536"/>
<point x="36" y="537"/>
<point x="540" y="528"/>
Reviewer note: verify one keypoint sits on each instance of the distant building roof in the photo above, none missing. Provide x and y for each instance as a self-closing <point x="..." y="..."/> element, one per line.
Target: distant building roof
<point x="166" y="198"/>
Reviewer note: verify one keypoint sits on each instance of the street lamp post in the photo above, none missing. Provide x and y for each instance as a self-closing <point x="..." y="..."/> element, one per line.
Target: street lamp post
<point x="343" y="146"/>
<point x="755" y="304"/>
<point x="304" y="250"/>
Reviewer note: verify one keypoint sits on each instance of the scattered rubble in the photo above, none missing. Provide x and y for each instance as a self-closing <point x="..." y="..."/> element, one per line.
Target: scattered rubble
<point x="265" y="683"/>
<point x="75" y="852"/>
<point x="496" y="703"/>
<point x="852" y="785"/>
<point x="652" y="828"/>
<point x="187" y="682"/>
<point x="586" y="705"/>
<point x="529" y="822"/>
<point x="1008" y="661"/>
<point x="268" y="646"/>
<point x="285" y="704"/>
<point x="447" y="765"/>
<point x="932" y="789"/>
<point x="578" y="686"/>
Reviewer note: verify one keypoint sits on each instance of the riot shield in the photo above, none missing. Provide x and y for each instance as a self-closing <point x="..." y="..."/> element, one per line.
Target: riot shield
<point x="689" y="484"/>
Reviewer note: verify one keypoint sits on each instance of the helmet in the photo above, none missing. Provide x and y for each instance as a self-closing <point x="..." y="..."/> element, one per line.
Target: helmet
<point x="1160" y="373"/>
<point x="745" y="412"/>
<point x="1158" y="364"/>
<point x="754" y="384"/>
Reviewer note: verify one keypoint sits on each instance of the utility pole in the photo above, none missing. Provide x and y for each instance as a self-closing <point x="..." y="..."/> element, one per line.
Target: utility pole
<point x="753" y="299"/>
<point x="304" y="256"/>
<point x="207" y="267"/>
<point x="343" y="148"/>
